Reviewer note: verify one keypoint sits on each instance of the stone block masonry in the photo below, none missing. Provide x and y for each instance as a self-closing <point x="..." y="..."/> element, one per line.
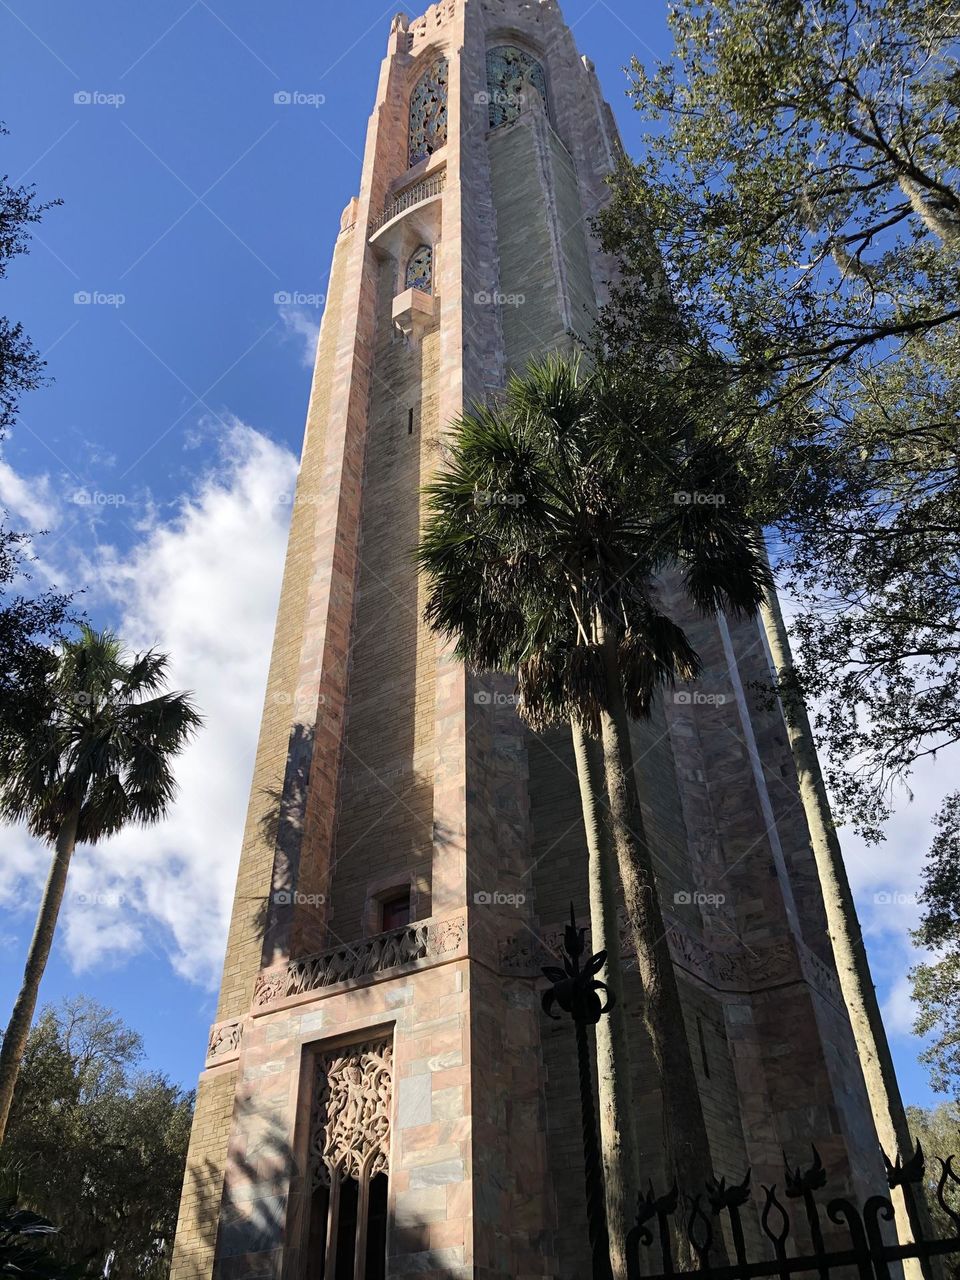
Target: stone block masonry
<point x="386" y="773"/>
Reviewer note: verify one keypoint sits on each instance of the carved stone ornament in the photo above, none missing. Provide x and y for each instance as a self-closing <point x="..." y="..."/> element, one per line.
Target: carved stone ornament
<point x="424" y="940"/>
<point x="350" y="1122"/>
<point x="224" y="1042"/>
<point x="740" y="969"/>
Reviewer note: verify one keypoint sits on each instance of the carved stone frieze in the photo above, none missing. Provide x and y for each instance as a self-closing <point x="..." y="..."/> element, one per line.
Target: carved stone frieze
<point x="424" y="940"/>
<point x="741" y="969"/>
<point x="821" y="977"/>
<point x="350" y="1121"/>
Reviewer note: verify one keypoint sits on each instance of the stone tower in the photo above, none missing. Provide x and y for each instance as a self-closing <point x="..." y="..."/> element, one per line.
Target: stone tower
<point x="381" y="1095"/>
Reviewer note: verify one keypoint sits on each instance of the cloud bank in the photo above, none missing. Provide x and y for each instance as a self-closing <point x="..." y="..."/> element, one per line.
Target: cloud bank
<point x="202" y="584"/>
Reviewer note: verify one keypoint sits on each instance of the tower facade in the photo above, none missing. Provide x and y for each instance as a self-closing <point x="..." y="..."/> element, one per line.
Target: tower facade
<point x="381" y="1096"/>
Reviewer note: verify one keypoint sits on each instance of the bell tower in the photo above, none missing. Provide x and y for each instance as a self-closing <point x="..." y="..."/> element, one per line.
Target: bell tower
<point x="380" y="1097"/>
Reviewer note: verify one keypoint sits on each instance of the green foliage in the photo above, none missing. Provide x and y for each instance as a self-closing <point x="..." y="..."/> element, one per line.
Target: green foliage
<point x="938" y="1131"/>
<point x="28" y="621"/>
<point x="25" y="1239"/>
<point x="104" y="745"/>
<point x="791" y="243"/>
<point x="557" y="508"/>
<point x="101" y="1143"/>
<point x="803" y="188"/>
<point x="936" y="983"/>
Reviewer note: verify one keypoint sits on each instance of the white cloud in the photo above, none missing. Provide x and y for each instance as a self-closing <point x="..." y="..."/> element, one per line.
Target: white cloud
<point x="304" y="326"/>
<point x="201" y="584"/>
<point x="28" y="499"/>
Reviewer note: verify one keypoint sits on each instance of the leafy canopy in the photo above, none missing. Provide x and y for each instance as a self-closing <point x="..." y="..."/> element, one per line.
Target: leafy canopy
<point x="100" y="1142"/>
<point x="29" y="620"/>
<point x="559" y="506"/>
<point x="790" y="238"/>
<point x="104" y="746"/>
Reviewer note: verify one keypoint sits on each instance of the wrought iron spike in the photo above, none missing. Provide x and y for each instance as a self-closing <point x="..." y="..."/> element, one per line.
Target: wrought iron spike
<point x="903" y="1171"/>
<point x="948" y="1174"/>
<point x="800" y="1181"/>
<point x="723" y="1197"/>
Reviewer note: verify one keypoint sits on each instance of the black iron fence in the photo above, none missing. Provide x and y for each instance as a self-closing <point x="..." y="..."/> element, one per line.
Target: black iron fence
<point x="857" y="1240"/>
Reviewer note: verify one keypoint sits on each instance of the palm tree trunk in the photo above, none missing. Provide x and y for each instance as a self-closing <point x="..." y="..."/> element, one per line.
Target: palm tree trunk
<point x="843" y="925"/>
<point x="688" y="1150"/>
<point x="18" y="1028"/>
<point x="614" y="1084"/>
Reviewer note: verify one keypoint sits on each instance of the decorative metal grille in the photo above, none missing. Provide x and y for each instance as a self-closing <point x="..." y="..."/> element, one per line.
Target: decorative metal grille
<point x="513" y="77"/>
<point x="420" y="269"/>
<point x="428" y="112"/>
<point x="795" y="1251"/>
<point x="350" y="1125"/>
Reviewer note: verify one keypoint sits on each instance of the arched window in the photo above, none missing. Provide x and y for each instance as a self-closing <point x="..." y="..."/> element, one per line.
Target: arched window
<point x="428" y="112"/>
<point x="420" y="269"/>
<point x="513" y="76"/>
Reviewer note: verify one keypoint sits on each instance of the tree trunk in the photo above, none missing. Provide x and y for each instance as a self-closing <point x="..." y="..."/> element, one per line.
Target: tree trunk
<point x="614" y="1082"/>
<point x="843" y="925"/>
<point x="18" y="1028"/>
<point x="687" y="1147"/>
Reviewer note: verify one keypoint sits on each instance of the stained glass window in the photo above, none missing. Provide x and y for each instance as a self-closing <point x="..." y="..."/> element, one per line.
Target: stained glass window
<point x="420" y="269"/>
<point x="512" y="77"/>
<point x="428" y="112"/>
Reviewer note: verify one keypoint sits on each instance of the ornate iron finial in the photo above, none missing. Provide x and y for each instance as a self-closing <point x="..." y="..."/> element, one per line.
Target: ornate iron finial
<point x="723" y="1197"/>
<point x="903" y="1171"/>
<point x="574" y="989"/>
<point x="801" y="1181"/>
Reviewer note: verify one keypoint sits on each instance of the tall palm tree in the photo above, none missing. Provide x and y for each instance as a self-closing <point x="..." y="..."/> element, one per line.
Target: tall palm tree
<point x="558" y="509"/>
<point x="98" y="760"/>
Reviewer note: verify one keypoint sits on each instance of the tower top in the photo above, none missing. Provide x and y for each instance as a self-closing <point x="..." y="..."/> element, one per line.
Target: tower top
<point x="417" y="29"/>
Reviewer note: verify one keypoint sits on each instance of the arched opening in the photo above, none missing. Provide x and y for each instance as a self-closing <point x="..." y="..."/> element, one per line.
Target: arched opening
<point x="428" y="112"/>
<point x="419" y="276"/>
<point x="514" y="80"/>
<point x="349" y="1160"/>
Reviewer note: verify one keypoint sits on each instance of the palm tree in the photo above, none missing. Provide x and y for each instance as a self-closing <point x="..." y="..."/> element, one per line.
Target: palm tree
<point x="558" y="509"/>
<point x="99" y="760"/>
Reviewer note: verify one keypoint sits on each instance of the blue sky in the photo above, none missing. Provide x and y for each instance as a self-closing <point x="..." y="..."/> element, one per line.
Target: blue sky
<point x="161" y="460"/>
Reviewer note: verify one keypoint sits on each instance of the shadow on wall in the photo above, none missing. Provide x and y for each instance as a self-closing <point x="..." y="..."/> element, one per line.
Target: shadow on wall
<point x="253" y="1208"/>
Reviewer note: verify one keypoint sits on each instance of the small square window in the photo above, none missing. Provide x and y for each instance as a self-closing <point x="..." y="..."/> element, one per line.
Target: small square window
<point x="395" y="911"/>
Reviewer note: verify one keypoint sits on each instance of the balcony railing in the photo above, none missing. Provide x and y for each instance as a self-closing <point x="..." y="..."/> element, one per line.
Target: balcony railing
<point x="432" y="939"/>
<point x="416" y="194"/>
